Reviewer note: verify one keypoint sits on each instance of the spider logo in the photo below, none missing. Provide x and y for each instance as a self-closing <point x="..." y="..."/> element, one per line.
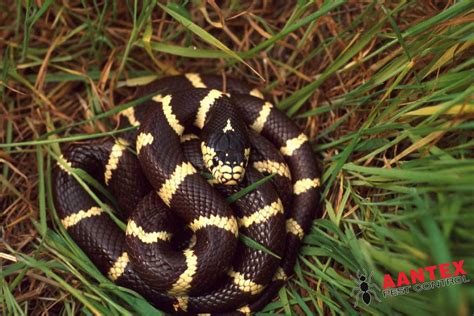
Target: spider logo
<point x="365" y="288"/>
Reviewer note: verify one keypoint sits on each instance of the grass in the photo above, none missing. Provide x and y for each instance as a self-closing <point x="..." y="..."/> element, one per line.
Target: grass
<point x="385" y="91"/>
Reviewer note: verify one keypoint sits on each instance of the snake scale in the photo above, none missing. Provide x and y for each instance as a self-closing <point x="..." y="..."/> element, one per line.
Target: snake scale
<point x="195" y="145"/>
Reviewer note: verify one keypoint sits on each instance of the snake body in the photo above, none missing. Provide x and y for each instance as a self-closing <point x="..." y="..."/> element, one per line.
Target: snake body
<point x="181" y="247"/>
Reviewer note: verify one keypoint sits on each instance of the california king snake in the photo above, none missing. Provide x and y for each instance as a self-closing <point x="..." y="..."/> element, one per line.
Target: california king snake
<point x="181" y="248"/>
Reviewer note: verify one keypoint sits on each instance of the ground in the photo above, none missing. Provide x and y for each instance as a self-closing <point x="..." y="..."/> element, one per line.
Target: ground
<point x="384" y="89"/>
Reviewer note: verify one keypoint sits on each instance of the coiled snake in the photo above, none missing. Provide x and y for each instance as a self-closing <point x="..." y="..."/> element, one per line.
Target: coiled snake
<point x="181" y="247"/>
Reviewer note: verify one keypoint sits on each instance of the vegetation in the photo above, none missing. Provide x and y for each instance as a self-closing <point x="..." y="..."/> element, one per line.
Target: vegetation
<point x="384" y="89"/>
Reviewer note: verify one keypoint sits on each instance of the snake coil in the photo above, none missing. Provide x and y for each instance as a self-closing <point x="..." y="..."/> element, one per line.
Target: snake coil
<point x="181" y="248"/>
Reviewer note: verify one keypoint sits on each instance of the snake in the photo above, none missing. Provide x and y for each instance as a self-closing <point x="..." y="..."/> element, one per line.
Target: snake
<point x="193" y="242"/>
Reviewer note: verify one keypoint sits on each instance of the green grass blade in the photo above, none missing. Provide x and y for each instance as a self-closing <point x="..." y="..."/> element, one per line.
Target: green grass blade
<point x="205" y="36"/>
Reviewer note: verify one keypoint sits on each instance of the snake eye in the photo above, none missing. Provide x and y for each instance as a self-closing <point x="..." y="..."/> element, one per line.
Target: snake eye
<point x="215" y="161"/>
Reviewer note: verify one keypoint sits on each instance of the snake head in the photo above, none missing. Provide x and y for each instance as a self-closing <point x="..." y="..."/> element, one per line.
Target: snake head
<point x="225" y="144"/>
<point x="226" y="157"/>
